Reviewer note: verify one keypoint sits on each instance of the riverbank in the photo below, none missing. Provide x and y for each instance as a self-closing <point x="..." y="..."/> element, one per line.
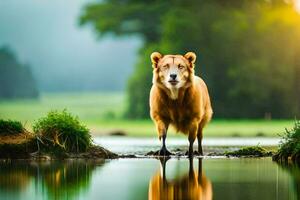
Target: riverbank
<point x="130" y="147"/>
<point x="25" y="146"/>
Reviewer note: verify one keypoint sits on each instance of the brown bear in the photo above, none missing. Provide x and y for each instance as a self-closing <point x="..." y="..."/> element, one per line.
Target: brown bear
<point x="179" y="98"/>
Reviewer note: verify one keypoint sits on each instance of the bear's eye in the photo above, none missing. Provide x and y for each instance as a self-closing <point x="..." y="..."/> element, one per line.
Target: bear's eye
<point x="165" y="66"/>
<point x="180" y="67"/>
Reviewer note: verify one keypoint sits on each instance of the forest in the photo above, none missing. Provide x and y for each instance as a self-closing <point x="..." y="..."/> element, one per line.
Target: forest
<point x="16" y="79"/>
<point x="248" y="52"/>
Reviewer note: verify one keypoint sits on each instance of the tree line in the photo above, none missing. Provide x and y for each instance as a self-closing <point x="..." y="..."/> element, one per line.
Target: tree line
<point x="16" y="79"/>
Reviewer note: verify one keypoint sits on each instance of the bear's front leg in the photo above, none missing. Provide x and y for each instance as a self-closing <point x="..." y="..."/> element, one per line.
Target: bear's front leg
<point x="164" y="151"/>
<point x="162" y="134"/>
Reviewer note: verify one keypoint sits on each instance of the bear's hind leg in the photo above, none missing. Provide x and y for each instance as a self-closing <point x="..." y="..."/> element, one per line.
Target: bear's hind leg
<point x="200" y="136"/>
<point x="192" y="136"/>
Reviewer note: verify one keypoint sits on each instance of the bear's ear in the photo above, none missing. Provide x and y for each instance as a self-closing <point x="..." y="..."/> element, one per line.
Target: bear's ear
<point x="191" y="57"/>
<point x="155" y="57"/>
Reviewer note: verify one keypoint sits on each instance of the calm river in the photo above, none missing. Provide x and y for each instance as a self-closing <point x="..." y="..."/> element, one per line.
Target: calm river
<point x="149" y="178"/>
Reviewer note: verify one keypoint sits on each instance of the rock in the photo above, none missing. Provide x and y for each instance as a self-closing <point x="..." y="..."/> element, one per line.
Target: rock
<point x="127" y="156"/>
<point x="117" y="133"/>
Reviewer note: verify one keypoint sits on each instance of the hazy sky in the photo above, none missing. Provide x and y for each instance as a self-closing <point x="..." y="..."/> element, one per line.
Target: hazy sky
<point x="64" y="56"/>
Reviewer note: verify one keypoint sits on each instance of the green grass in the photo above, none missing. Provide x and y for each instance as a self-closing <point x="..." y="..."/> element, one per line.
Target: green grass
<point x="290" y="144"/>
<point x="217" y="128"/>
<point x="60" y="129"/>
<point x="8" y="127"/>
<point x="102" y="113"/>
<point x="88" y="106"/>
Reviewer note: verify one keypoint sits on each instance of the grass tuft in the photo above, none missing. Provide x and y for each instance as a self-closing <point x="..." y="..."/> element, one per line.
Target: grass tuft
<point x="10" y="127"/>
<point x="62" y="131"/>
<point x="290" y="143"/>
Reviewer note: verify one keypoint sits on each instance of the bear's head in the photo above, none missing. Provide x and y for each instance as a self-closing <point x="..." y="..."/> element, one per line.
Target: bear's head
<point x="173" y="71"/>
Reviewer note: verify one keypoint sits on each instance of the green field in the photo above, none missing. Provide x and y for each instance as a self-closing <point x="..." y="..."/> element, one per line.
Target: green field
<point x="217" y="128"/>
<point x="103" y="112"/>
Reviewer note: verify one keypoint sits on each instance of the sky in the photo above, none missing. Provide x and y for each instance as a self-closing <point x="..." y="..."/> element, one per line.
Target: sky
<point x="63" y="56"/>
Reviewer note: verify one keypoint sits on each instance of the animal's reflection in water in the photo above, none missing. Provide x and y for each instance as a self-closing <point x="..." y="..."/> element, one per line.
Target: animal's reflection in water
<point x="193" y="185"/>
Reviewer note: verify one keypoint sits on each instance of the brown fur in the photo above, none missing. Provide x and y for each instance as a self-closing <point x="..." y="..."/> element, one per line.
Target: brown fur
<point x="191" y="109"/>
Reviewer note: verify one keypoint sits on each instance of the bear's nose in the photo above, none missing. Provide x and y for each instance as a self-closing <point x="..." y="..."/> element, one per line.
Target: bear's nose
<point x="173" y="76"/>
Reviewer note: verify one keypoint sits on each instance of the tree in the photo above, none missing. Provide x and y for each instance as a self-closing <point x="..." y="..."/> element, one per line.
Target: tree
<point x="16" y="79"/>
<point x="247" y="50"/>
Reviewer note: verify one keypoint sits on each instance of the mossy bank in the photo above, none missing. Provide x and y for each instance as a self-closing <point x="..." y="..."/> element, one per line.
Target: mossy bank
<point x="255" y="151"/>
<point x="58" y="135"/>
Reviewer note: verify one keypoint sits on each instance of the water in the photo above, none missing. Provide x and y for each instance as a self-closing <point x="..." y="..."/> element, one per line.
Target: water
<point x="150" y="178"/>
<point x="140" y="145"/>
<point x="217" y="178"/>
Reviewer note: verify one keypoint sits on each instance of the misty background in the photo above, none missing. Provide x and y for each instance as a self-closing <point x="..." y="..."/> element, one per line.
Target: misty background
<point x="63" y="56"/>
<point x="248" y="53"/>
